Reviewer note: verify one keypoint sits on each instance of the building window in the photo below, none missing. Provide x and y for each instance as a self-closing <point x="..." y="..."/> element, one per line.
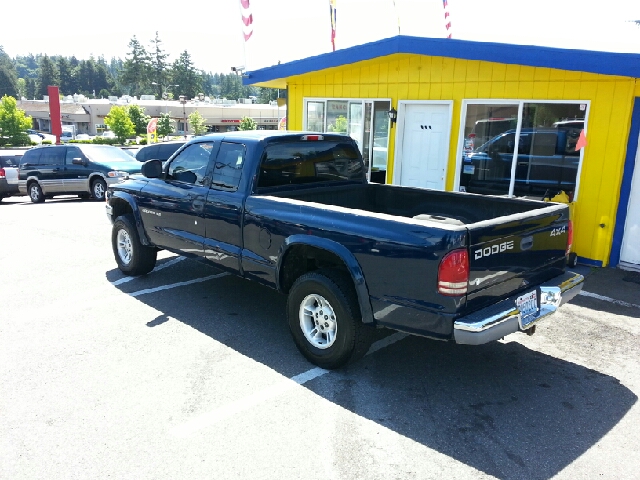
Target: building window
<point x="364" y="120"/>
<point x="521" y="148"/>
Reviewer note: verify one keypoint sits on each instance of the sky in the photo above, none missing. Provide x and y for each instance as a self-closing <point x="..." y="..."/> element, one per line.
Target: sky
<point x="287" y="30"/>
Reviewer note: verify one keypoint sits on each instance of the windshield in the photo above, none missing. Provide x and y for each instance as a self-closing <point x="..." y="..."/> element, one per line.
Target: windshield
<point x="106" y="154"/>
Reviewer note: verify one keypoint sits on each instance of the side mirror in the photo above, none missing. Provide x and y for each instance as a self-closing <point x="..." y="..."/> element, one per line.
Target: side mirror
<point x="152" y="169"/>
<point x="79" y="161"/>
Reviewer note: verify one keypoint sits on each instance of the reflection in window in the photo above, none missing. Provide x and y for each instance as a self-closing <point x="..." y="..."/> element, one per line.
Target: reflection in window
<point x="190" y="165"/>
<point x="228" y="167"/>
<point x="546" y="161"/>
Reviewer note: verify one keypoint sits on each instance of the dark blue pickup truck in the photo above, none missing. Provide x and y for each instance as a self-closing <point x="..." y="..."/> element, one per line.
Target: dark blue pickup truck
<point x="294" y="211"/>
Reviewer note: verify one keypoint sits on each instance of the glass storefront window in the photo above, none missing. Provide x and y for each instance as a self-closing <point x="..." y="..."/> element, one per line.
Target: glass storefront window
<point x="546" y="161"/>
<point x="366" y="121"/>
<point x="315" y="116"/>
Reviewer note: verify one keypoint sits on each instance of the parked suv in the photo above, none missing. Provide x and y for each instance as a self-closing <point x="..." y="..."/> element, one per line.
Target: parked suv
<point x="158" y="151"/>
<point x="84" y="170"/>
<point x="9" y="162"/>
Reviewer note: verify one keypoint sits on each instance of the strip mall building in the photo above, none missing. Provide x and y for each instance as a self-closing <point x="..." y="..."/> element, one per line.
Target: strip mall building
<point x="487" y="118"/>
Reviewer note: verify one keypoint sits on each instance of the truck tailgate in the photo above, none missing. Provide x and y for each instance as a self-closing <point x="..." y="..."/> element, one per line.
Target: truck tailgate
<point x="515" y="252"/>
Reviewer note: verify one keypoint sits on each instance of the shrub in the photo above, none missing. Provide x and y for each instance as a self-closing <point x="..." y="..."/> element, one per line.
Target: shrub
<point x="47" y="142"/>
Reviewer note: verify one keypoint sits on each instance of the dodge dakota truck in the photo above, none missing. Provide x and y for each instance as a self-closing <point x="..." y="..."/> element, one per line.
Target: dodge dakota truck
<point x="294" y="211"/>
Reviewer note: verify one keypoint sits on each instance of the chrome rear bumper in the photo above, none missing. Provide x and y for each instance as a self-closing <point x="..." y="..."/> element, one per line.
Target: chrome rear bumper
<point x="503" y="318"/>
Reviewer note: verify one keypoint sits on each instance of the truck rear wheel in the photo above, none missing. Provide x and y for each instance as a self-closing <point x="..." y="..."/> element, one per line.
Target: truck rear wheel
<point x="132" y="257"/>
<point x="324" y="319"/>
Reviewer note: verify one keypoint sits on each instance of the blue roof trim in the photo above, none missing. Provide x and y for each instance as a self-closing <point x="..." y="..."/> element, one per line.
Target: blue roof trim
<point x="606" y="63"/>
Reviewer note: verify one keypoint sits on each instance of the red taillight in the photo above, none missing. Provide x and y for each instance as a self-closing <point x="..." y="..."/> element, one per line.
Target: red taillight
<point x="570" y="237"/>
<point x="453" y="273"/>
<point x="2" y="173"/>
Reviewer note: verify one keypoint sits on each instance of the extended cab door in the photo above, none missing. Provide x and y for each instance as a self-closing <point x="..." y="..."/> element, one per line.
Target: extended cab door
<point x="224" y="207"/>
<point x="172" y="207"/>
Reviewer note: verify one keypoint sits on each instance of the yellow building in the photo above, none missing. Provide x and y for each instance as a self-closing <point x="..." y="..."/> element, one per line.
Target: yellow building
<point x="487" y="118"/>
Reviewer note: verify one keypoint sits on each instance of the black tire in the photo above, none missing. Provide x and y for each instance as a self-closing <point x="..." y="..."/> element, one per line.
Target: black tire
<point x="132" y="257"/>
<point x="352" y="338"/>
<point x="35" y="192"/>
<point x="572" y="261"/>
<point x="98" y="189"/>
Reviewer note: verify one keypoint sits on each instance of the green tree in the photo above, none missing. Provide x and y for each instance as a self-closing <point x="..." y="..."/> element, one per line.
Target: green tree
<point x="13" y="123"/>
<point x="165" y="125"/>
<point x="22" y="88"/>
<point x="185" y="75"/>
<point x="136" y="69"/>
<point x="119" y="122"/>
<point x="47" y="75"/>
<point x="248" y="123"/>
<point x="138" y="118"/>
<point x="159" y="66"/>
<point x="197" y="123"/>
<point x="31" y="88"/>
<point x="340" y="126"/>
<point x="68" y="84"/>
<point x="8" y="75"/>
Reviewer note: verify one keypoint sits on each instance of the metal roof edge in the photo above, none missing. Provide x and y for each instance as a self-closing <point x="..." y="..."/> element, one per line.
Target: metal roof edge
<point x="590" y="61"/>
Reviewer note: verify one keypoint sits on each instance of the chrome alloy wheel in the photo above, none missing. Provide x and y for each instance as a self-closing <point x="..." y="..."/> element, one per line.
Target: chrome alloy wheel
<point x="318" y="321"/>
<point x="125" y="249"/>
<point x="98" y="190"/>
<point x="34" y="192"/>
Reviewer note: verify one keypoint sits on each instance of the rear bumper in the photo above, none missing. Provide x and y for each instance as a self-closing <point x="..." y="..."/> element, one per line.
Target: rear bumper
<point x="8" y="189"/>
<point x="503" y="318"/>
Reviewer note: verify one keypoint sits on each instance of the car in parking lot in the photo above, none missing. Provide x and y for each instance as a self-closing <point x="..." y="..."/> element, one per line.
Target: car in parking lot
<point x="83" y="136"/>
<point x="158" y="151"/>
<point x="9" y="163"/>
<point x="108" y="134"/>
<point x="80" y="169"/>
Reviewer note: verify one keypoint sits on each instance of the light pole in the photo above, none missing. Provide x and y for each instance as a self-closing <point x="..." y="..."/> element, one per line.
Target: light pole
<point x="165" y="93"/>
<point x="183" y="101"/>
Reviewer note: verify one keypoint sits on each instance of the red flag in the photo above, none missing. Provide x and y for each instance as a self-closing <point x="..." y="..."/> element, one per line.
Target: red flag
<point x="332" y="12"/>
<point x="447" y="24"/>
<point x="247" y="19"/>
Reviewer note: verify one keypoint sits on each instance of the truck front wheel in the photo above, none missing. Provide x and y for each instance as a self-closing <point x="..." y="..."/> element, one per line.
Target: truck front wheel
<point x="324" y="319"/>
<point x="132" y="257"/>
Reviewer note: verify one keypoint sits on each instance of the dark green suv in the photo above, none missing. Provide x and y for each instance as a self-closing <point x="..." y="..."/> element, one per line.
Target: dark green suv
<point x="84" y="170"/>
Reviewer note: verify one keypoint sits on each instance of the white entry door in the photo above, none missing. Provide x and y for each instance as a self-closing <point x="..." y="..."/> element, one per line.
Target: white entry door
<point x="424" y="147"/>
<point x="630" y="252"/>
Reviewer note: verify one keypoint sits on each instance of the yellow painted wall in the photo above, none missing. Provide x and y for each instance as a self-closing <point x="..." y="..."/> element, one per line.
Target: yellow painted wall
<point x="417" y="77"/>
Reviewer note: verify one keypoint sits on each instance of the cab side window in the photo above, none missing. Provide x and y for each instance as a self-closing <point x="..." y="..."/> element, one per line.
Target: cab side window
<point x="191" y="165"/>
<point x="228" y="167"/>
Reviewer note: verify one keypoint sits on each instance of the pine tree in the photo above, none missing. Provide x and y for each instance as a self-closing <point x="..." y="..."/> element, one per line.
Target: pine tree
<point x="8" y="75"/>
<point x="136" y="69"/>
<point x="67" y="80"/>
<point x="159" y="66"/>
<point x="185" y="75"/>
<point x="47" y="75"/>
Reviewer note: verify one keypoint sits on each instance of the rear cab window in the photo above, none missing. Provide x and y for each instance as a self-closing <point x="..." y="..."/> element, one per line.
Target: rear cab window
<point x="300" y="161"/>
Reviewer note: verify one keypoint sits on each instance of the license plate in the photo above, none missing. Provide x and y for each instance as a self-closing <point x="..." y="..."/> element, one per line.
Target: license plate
<point x="527" y="304"/>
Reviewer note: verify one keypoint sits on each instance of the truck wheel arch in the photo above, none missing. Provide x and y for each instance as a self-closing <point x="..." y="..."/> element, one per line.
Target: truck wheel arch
<point x="305" y="247"/>
<point x="123" y="203"/>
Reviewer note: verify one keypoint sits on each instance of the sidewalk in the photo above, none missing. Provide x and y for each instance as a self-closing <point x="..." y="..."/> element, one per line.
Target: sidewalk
<point x="613" y="283"/>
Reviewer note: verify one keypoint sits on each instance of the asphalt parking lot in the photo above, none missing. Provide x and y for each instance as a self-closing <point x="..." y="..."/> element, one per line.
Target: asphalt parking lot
<point x="191" y="373"/>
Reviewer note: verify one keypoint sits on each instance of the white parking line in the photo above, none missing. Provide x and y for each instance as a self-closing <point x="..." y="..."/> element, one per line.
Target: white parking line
<point x="157" y="269"/>
<point x="609" y="299"/>
<point x="174" y="285"/>
<point x="210" y="418"/>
